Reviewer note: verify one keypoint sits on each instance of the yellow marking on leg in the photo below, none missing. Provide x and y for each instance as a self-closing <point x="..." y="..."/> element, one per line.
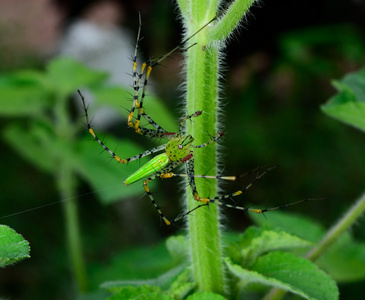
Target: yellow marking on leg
<point x="146" y="186"/>
<point x="149" y="70"/>
<point x="198" y="198"/>
<point x="129" y="120"/>
<point x="143" y="67"/>
<point x="204" y="200"/>
<point x="92" y="132"/>
<point x="121" y="160"/>
<point x="237" y="193"/>
<point x="258" y="211"/>
<point x="167" y="175"/>
<point x="136" y="126"/>
<point x="232" y="178"/>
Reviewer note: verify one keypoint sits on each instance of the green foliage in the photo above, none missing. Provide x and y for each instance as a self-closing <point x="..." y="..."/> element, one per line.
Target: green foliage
<point x="258" y="241"/>
<point x="288" y="272"/>
<point x="44" y="134"/>
<point x="348" y="105"/>
<point x="41" y="97"/>
<point x="13" y="247"/>
<point x="344" y="261"/>
<point x="255" y="259"/>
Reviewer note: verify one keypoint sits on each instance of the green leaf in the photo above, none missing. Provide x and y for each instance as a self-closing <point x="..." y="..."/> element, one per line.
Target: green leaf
<point x="145" y="263"/>
<point x="205" y="296"/>
<point x="105" y="175"/>
<point x="67" y="75"/>
<point x="348" y="105"/>
<point x="344" y="261"/>
<point x="163" y="281"/>
<point x="268" y="240"/>
<point x="182" y="285"/>
<point x="23" y="100"/>
<point x="290" y="273"/>
<point x="141" y="293"/>
<point x="178" y="247"/>
<point x="314" y="49"/>
<point x="32" y="144"/>
<point x="13" y="247"/>
<point x="24" y="78"/>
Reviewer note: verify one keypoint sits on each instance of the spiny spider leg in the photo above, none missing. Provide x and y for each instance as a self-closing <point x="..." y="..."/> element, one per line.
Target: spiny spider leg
<point x="194" y="115"/>
<point x="137" y="78"/>
<point x="159" y="132"/>
<point x="214" y="139"/>
<point x="116" y="157"/>
<point x="147" y="190"/>
<point x="217" y="200"/>
<point x="245" y="209"/>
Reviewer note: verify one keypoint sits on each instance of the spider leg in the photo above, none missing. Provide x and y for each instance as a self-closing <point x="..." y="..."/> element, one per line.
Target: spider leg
<point x="219" y="199"/>
<point x="147" y="190"/>
<point x="116" y="157"/>
<point x="188" y="117"/>
<point x="212" y="140"/>
<point x="138" y="103"/>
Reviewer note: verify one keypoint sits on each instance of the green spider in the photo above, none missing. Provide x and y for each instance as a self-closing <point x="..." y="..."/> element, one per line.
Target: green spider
<point x="178" y="150"/>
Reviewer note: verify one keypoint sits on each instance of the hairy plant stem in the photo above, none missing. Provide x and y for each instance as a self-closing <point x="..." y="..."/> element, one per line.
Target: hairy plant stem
<point x="202" y="71"/>
<point x="202" y="94"/>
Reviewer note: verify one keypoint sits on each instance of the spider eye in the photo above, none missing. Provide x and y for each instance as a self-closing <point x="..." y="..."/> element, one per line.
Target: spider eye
<point x="180" y="146"/>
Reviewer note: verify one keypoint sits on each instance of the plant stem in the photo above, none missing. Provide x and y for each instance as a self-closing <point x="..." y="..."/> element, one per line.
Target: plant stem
<point x="202" y="94"/>
<point x="338" y="229"/>
<point x="66" y="184"/>
<point x="202" y="67"/>
<point x="66" y="178"/>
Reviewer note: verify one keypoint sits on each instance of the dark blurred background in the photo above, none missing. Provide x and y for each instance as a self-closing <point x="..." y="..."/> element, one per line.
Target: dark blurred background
<point x="278" y="69"/>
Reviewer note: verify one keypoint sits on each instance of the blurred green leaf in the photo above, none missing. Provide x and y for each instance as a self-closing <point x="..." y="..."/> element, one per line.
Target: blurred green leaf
<point x="105" y="175"/>
<point x="348" y="105"/>
<point x="68" y="75"/>
<point x="143" y="263"/>
<point x="315" y="49"/>
<point x="19" y="99"/>
<point x="178" y="247"/>
<point x="345" y="260"/>
<point x="32" y="144"/>
<point x="13" y="247"/>
<point x="24" y="78"/>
